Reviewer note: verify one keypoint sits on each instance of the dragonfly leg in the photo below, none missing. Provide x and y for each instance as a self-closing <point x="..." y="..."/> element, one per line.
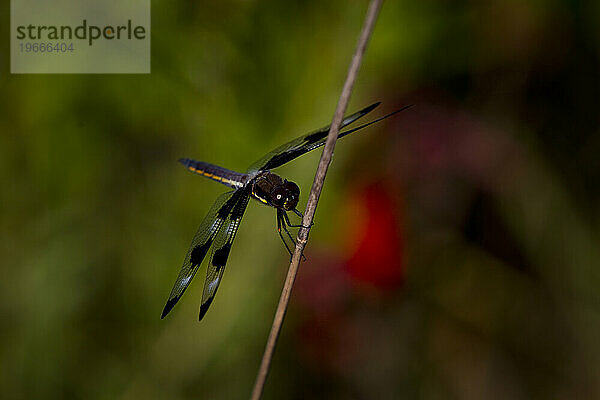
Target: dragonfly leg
<point x="298" y="213"/>
<point x="279" y="223"/>
<point x="286" y="220"/>
<point x="286" y="229"/>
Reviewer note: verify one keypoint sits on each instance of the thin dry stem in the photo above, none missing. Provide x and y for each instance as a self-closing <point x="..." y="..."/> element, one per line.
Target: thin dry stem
<point x="313" y="197"/>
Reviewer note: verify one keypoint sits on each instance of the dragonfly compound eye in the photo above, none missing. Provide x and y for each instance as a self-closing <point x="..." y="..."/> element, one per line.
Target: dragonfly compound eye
<point x="292" y="196"/>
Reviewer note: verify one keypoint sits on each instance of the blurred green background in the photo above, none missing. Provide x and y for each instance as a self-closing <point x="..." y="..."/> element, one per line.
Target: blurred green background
<point x="455" y="252"/>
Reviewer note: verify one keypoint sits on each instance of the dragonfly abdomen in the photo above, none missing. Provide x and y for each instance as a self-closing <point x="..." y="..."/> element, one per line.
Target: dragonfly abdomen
<point x="222" y="175"/>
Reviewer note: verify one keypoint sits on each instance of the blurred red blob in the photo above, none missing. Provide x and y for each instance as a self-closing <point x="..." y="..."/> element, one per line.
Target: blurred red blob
<point x="332" y="327"/>
<point x="376" y="253"/>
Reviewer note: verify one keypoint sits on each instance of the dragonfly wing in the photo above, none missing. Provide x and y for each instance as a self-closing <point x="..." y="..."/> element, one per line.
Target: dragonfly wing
<point x="220" y="251"/>
<point x="302" y="144"/>
<point x="204" y="238"/>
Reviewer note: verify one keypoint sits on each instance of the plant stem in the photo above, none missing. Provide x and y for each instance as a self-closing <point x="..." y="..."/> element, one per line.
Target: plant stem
<point x="313" y="197"/>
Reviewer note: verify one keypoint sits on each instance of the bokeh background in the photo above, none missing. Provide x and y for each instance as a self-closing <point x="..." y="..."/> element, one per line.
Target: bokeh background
<point x="455" y="252"/>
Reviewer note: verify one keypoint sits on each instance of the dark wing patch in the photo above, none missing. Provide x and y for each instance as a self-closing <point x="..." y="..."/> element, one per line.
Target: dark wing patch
<point x="302" y="144"/>
<point x="220" y="257"/>
<point x="221" y="249"/>
<point x="199" y="252"/>
<point x="204" y="238"/>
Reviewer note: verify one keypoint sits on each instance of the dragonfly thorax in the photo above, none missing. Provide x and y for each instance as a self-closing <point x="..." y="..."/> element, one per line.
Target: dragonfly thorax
<point x="271" y="189"/>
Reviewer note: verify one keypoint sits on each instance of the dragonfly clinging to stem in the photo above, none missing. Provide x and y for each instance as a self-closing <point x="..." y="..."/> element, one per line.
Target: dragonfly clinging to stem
<point x="218" y="229"/>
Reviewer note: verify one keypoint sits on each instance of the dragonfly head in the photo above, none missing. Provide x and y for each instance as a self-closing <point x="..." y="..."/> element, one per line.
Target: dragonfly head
<point x="286" y="196"/>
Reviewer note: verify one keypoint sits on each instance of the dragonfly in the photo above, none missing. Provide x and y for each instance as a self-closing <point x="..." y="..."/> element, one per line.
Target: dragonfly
<point x="218" y="229"/>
